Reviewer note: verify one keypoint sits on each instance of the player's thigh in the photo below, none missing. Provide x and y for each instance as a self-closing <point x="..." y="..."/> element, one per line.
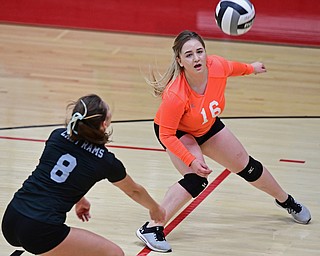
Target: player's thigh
<point x="81" y="242"/>
<point x="191" y="144"/>
<point x="227" y="150"/>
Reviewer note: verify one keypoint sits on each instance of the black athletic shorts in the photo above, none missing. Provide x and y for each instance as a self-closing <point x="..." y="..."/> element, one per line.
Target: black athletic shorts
<point x="34" y="236"/>
<point x="215" y="128"/>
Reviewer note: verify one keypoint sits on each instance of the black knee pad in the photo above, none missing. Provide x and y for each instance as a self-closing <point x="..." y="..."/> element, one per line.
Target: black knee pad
<point x="193" y="183"/>
<point x="253" y="170"/>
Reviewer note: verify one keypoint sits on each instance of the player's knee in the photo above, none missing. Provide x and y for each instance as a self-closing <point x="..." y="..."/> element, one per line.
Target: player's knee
<point x="113" y="251"/>
<point x="252" y="171"/>
<point x="193" y="183"/>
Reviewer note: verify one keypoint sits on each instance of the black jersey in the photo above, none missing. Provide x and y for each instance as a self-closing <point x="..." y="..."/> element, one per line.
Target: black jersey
<point x="65" y="173"/>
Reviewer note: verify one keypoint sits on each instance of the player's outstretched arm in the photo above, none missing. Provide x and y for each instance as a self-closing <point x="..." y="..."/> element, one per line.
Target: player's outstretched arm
<point x="139" y="194"/>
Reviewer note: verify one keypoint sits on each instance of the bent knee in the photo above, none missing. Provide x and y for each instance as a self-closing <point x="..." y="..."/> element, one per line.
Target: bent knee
<point x="252" y="171"/>
<point x="113" y="250"/>
<point x="193" y="184"/>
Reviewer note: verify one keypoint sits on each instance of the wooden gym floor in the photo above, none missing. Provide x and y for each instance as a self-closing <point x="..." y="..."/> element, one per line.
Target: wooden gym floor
<point x="276" y="115"/>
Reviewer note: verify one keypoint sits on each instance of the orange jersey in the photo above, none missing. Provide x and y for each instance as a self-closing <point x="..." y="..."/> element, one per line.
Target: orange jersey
<point x="183" y="109"/>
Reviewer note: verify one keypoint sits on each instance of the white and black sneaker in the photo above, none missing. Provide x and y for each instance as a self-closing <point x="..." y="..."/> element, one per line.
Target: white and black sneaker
<point x="299" y="212"/>
<point x="154" y="238"/>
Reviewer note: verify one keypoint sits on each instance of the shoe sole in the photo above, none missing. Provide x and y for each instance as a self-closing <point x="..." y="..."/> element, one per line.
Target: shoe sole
<point x="140" y="236"/>
<point x="302" y="222"/>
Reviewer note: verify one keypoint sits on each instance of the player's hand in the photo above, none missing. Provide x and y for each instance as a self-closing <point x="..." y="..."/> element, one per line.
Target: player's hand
<point x="200" y="168"/>
<point x="83" y="209"/>
<point x="259" y="67"/>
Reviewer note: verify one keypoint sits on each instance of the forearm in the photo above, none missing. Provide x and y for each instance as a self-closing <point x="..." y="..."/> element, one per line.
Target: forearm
<point x="175" y="146"/>
<point x="240" y="69"/>
<point x="142" y="197"/>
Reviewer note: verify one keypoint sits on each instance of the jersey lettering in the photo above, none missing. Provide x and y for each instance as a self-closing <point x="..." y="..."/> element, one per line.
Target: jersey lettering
<point x="97" y="151"/>
<point x="64" y="166"/>
<point x="214" y="109"/>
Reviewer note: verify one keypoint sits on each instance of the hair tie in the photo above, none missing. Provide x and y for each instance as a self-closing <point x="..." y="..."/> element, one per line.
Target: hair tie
<point x="75" y="117"/>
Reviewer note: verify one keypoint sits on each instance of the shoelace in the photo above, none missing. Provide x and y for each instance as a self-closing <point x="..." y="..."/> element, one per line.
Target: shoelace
<point x="294" y="208"/>
<point x="159" y="235"/>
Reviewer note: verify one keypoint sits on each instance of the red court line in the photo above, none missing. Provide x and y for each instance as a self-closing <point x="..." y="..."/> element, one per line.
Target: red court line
<point x="23" y="139"/>
<point x="108" y="146"/>
<point x="175" y="222"/>
<point x="292" y="161"/>
<point x="136" y="148"/>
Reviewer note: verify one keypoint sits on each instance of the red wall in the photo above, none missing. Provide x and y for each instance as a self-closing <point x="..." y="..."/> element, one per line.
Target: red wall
<point x="294" y="22"/>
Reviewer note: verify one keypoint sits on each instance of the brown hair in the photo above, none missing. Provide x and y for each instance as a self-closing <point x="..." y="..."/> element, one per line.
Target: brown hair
<point x="174" y="69"/>
<point x="88" y="114"/>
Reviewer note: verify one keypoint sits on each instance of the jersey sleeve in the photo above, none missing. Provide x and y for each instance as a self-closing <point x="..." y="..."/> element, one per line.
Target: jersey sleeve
<point x="117" y="170"/>
<point x="239" y="69"/>
<point x="172" y="110"/>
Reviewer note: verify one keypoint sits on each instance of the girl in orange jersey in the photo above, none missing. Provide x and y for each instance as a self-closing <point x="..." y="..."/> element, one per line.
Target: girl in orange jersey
<point x="188" y="127"/>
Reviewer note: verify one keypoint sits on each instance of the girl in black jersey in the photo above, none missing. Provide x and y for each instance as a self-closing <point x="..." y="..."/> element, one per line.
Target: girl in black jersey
<point x="73" y="160"/>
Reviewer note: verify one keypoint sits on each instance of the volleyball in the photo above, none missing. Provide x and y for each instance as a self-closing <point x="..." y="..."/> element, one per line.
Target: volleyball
<point x="235" y="17"/>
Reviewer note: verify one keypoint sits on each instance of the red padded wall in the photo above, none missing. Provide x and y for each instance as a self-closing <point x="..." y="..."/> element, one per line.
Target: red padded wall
<point x="294" y="22"/>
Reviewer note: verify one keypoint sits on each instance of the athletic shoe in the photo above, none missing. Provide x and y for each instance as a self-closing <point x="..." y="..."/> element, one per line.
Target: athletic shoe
<point x="299" y="212"/>
<point x="154" y="238"/>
